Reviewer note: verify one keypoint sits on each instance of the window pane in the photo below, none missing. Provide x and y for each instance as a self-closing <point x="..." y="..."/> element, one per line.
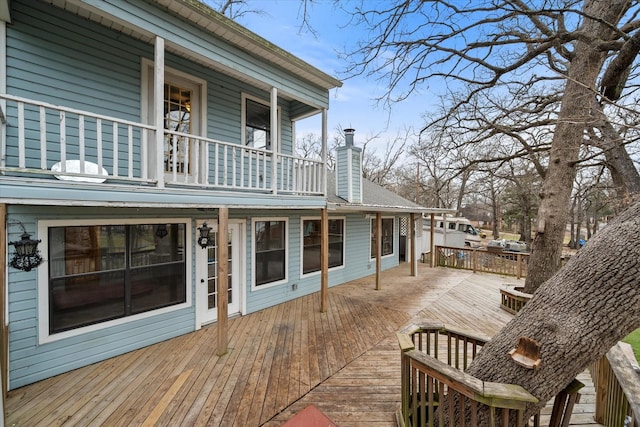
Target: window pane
<point x="86" y="299"/>
<point x="90" y="282"/>
<point x="148" y="248"/>
<point x="387" y="237"/>
<point x="157" y="286"/>
<point x="85" y="249"/>
<point x="311" y="245"/>
<point x="258" y="124"/>
<point x="270" y="251"/>
<point x="177" y="118"/>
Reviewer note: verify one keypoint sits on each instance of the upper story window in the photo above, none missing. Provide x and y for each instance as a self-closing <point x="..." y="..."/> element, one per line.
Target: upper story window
<point x="258" y="125"/>
<point x="256" y="117"/>
<point x="387" y="237"/>
<point x="177" y="118"/>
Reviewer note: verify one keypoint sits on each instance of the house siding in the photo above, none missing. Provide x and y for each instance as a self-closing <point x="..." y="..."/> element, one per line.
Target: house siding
<point x="32" y="361"/>
<point x="52" y="57"/>
<point x="156" y="21"/>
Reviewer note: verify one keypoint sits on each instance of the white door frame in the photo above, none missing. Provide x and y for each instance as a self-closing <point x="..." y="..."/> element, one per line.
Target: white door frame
<point x="203" y="314"/>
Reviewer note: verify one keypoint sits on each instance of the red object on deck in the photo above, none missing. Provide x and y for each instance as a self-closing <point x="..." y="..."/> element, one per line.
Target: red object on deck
<point x="310" y="417"/>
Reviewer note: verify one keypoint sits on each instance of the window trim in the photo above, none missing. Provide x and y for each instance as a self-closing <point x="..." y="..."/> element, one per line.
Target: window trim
<point x="255" y="287"/>
<point x="371" y="223"/>
<point x="344" y="245"/>
<point x="43" y="277"/>
<point x="243" y="120"/>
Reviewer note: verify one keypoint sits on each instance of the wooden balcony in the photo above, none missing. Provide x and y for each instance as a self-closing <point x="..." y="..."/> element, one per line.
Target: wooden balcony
<point x="345" y="361"/>
<point x="41" y="140"/>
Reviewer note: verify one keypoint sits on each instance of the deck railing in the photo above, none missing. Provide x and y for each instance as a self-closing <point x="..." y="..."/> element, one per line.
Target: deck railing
<point x="616" y="378"/>
<point x="44" y="139"/>
<point x="480" y="260"/>
<point x="429" y="385"/>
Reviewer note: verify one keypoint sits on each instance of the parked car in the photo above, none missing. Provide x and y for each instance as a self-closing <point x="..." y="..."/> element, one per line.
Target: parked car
<point x="505" y="245"/>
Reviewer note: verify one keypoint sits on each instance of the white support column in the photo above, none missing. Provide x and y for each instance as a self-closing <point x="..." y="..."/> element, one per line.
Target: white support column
<point x="324" y="151"/>
<point x="3" y="89"/>
<point x="274" y="140"/>
<point x="158" y="98"/>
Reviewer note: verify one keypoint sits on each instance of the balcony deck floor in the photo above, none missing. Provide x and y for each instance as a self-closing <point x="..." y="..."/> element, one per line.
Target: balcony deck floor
<point x="346" y="361"/>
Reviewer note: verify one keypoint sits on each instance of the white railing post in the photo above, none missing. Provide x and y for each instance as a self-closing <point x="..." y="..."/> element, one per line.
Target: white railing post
<point x="158" y="98"/>
<point x="274" y="140"/>
<point x="324" y="152"/>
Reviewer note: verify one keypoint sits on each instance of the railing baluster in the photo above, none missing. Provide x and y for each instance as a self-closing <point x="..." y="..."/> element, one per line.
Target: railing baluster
<point x="43" y="138"/>
<point x="81" y="147"/>
<point x="242" y="183"/>
<point x="63" y="141"/>
<point x="225" y="159"/>
<point x="196" y="160"/>
<point x="216" y="165"/>
<point x="186" y="156"/>
<point x="130" y="145"/>
<point x="143" y="154"/>
<point x="116" y="150"/>
<point x="99" y="144"/>
<point x="21" y="142"/>
<point x="233" y="167"/>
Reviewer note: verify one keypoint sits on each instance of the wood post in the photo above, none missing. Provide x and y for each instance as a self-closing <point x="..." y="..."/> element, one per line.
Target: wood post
<point x="324" y="260"/>
<point x="4" y="329"/>
<point x="432" y="246"/>
<point x="378" y="249"/>
<point x="412" y="247"/>
<point x="223" y="280"/>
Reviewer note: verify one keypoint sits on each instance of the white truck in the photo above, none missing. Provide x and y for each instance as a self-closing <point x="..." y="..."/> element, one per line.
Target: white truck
<point x="451" y="231"/>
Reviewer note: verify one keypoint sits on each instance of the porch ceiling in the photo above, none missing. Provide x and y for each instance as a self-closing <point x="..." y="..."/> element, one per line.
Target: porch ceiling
<point x="214" y="23"/>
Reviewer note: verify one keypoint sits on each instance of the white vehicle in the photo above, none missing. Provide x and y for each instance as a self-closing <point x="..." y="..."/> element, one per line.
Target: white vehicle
<point x="472" y="236"/>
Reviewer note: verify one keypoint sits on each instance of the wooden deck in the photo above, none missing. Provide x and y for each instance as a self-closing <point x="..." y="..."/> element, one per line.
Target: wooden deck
<point x="345" y="361"/>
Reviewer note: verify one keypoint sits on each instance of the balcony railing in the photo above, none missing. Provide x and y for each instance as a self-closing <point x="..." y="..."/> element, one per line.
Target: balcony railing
<point x="73" y="145"/>
<point x="616" y="378"/>
<point x="436" y="390"/>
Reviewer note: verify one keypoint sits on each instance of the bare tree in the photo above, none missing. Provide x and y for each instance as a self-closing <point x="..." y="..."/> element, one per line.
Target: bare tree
<point x="493" y="46"/>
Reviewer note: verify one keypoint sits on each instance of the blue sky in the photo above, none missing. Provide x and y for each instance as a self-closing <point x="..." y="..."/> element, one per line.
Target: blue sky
<point x="353" y="105"/>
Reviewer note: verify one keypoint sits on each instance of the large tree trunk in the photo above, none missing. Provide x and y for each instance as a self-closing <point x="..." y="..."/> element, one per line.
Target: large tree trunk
<point x="574" y="118"/>
<point x="576" y="316"/>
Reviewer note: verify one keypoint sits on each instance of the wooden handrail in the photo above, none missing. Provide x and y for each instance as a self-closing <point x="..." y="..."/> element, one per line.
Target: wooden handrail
<point x="487" y="261"/>
<point x="429" y="382"/>
<point x="616" y="378"/>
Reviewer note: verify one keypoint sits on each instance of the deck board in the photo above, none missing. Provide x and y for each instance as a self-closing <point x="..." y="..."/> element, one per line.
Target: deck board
<point x="281" y="359"/>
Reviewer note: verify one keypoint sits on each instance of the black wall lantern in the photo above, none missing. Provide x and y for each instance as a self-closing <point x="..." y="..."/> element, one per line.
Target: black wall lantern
<point x="204" y="238"/>
<point x="161" y="231"/>
<point x="26" y="255"/>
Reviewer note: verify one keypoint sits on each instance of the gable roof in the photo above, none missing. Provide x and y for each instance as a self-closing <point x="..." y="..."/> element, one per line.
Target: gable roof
<point x="376" y="198"/>
<point x="205" y="17"/>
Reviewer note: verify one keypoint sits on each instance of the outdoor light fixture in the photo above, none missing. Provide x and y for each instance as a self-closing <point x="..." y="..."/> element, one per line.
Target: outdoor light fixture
<point x="161" y="231"/>
<point x="204" y="230"/>
<point x="26" y="255"/>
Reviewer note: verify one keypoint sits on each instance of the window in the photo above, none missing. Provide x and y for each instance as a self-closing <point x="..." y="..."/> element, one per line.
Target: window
<point x="311" y="244"/>
<point x="177" y="118"/>
<point x="104" y="272"/>
<point x="258" y="125"/>
<point x="387" y="237"/>
<point x="270" y="238"/>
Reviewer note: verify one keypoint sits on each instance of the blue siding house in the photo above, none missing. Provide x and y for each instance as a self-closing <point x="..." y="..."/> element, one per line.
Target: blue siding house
<point x="134" y="136"/>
